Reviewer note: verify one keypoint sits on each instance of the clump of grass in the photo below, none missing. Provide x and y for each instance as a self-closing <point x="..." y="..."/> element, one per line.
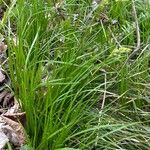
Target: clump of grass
<point x="64" y="68"/>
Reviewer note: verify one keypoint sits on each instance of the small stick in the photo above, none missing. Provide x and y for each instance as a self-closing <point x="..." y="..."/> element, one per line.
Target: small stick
<point x="138" y="44"/>
<point x="102" y="106"/>
<point x="113" y="36"/>
<point x="105" y="86"/>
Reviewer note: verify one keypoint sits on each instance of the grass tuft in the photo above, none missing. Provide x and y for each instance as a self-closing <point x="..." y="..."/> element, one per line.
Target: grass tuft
<point x="68" y="71"/>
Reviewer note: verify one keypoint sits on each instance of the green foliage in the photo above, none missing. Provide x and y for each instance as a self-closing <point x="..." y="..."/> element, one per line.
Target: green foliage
<point x="63" y="63"/>
<point x="26" y="147"/>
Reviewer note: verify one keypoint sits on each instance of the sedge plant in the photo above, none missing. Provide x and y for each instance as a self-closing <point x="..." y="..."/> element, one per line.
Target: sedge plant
<point x="64" y="65"/>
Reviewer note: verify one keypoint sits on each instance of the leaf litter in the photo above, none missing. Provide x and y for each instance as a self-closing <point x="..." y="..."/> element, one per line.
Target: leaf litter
<point x="12" y="120"/>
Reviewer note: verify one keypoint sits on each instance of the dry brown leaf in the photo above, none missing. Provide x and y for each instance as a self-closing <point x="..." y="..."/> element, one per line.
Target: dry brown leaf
<point x="14" y="132"/>
<point x="15" y="108"/>
<point x="2" y="77"/>
<point x="12" y="135"/>
<point x="2" y="95"/>
<point x="8" y="100"/>
<point x="3" y="47"/>
<point x="17" y="117"/>
<point x="3" y="55"/>
<point x="3" y="140"/>
<point x="2" y="111"/>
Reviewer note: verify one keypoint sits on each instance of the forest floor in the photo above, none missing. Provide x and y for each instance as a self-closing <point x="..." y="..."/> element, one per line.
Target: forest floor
<point x="74" y="75"/>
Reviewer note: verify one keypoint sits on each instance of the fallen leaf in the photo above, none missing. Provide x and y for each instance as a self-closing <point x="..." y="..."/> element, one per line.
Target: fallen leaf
<point x="3" y="140"/>
<point x="2" y="111"/>
<point x="17" y="117"/>
<point x="2" y="77"/>
<point x="3" y="47"/>
<point x="2" y="95"/>
<point x="15" y="108"/>
<point x="11" y="135"/>
<point x="8" y="100"/>
<point x="14" y="132"/>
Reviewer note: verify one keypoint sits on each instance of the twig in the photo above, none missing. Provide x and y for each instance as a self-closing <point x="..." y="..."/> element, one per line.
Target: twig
<point x="142" y="51"/>
<point x="113" y="36"/>
<point x="104" y="96"/>
<point x="138" y="44"/>
<point x="102" y="106"/>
